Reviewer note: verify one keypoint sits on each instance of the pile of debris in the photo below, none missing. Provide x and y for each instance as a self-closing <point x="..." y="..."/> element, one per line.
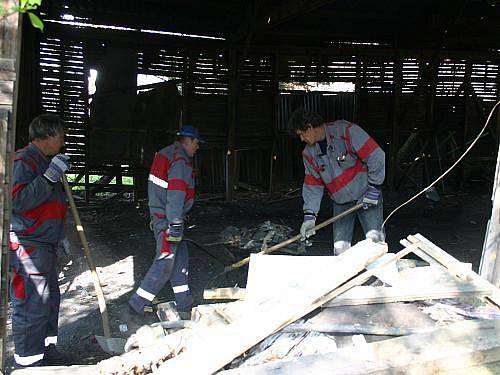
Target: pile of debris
<point x="252" y="240"/>
<point x="316" y="314"/>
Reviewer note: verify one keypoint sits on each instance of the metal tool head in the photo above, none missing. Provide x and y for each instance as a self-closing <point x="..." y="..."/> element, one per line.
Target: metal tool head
<point x="167" y="311"/>
<point x="111" y="345"/>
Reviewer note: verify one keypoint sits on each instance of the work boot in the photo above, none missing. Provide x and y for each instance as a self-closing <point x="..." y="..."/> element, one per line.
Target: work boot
<point x="53" y="357"/>
<point x="131" y="317"/>
<point x="135" y="319"/>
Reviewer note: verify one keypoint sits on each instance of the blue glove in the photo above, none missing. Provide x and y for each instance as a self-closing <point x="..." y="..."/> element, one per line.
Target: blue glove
<point x="175" y="230"/>
<point x="371" y="197"/>
<point x="306" y="230"/>
<point x="58" y="165"/>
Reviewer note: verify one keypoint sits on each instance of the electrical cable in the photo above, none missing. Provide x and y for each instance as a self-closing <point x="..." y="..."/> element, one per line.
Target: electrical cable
<point x="449" y="169"/>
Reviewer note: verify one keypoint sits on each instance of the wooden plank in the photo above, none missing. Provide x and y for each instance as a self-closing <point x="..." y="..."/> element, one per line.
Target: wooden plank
<point x="368" y="295"/>
<point x="57" y="370"/>
<point x="214" y="348"/>
<point x="267" y="275"/>
<point x="354" y="329"/>
<point x="224" y="293"/>
<point x="455" y="346"/>
<point x="10" y="30"/>
<point x="489" y="267"/>
<point x="454" y="265"/>
<point x="361" y="295"/>
<point x="419" y="252"/>
<point x="418" y="283"/>
<point x="382" y="315"/>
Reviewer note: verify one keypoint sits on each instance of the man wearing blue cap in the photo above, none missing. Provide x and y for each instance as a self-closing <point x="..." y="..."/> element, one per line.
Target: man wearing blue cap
<point x="171" y="190"/>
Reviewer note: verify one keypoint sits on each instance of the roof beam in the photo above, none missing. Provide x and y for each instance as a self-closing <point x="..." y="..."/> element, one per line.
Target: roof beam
<point x="293" y="9"/>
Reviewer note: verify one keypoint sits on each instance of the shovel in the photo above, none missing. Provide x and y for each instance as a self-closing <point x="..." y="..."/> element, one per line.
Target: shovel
<point x="107" y="343"/>
<point x="295" y="238"/>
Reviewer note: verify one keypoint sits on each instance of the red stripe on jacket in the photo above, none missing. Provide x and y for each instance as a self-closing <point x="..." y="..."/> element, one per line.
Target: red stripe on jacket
<point x="311" y="162"/>
<point x="311" y="180"/>
<point x="160" y="166"/>
<point x="365" y="150"/>
<point x="177" y="184"/>
<point x="16" y="190"/>
<point x="30" y="162"/>
<point x="347" y="176"/>
<point x="347" y="140"/>
<point x="44" y="212"/>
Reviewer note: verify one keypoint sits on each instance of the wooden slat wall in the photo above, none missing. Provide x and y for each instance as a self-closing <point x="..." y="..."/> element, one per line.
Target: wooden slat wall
<point x="64" y="91"/>
<point x="205" y="80"/>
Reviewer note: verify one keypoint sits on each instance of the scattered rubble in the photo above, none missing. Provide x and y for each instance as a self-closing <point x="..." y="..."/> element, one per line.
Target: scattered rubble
<point x="252" y="240"/>
<point x="325" y="321"/>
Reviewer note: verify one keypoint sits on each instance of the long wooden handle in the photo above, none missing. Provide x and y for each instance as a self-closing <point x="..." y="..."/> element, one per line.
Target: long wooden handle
<point x="296" y="237"/>
<point x="88" y="256"/>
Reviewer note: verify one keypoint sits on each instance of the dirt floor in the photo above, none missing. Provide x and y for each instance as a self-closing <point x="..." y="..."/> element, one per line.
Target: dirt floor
<point x="123" y="247"/>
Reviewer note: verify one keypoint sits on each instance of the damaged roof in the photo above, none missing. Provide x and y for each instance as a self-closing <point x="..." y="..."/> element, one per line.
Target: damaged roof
<point x="426" y="24"/>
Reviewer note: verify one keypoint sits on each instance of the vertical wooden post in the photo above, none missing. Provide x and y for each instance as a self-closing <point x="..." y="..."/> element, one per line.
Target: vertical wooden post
<point x="232" y="118"/>
<point x="467" y="88"/>
<point x="9" y="64"/>
<point x="276" y="99"/>
<point x="357" y="92"/>
<point x="430" y="99"/>
<point x="498" y="112"/>
<point x="393" y="157"/>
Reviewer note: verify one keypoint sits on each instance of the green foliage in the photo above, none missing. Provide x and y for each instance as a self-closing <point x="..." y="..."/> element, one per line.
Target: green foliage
<point x="36" y="21"/>
<point x="24" y="7"/>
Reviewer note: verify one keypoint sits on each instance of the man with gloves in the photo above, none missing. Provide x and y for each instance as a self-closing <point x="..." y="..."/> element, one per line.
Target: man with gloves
<point x="343" y="158"/>
<point x="171" y="190"/>
<point x="38" y="210"/>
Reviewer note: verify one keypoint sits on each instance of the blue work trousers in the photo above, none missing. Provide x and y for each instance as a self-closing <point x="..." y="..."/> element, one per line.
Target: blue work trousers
<point x="35" y="297"/>
<point x="171" y="265"/>
<point x="371" y="221"/>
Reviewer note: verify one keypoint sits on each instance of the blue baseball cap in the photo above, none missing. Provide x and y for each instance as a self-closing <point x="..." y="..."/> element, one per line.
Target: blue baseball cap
<point x="190" y="131"/>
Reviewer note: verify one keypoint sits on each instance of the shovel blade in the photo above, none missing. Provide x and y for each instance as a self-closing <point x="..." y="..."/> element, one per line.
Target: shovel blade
<point x="111" y="345"/>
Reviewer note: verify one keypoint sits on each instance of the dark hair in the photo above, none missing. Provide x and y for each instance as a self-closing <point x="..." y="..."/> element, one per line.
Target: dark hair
<point x="301" y="118"/>
<point x="46" y="125"/>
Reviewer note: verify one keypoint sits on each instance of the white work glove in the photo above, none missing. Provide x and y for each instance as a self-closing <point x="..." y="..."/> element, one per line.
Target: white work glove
<point x="306" y="230"/>
<point x="58" y="165"/>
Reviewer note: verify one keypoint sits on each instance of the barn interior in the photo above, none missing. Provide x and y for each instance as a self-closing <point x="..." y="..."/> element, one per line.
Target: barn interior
<point x="420" y="77"/>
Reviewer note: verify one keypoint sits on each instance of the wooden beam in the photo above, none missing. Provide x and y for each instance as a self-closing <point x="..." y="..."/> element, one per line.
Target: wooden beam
<point x="9" y="63"/>
<point x="292" y="9"/>
<point x="396" y="102"/>
<point x="489" y="267"/>
<point x="361" y="295"/>
<point x="454" y="266"/>
<point x="455" y="346"/>
<point x="214" y="348"/>
<point x="232" y="111"/>
<point x="128" y="37"/>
